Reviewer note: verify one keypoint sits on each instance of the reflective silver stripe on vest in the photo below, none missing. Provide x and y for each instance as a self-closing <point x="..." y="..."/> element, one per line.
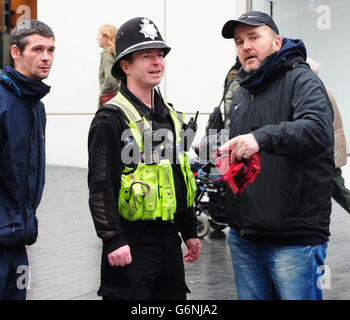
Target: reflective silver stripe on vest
<point x="131" y="114"/>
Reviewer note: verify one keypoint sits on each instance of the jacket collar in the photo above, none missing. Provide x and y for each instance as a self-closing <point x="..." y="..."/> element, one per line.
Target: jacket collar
<point x="24" y="87"/>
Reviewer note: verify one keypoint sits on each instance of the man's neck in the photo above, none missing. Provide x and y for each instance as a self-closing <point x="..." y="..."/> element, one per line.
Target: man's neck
<point x="145" y="95"/>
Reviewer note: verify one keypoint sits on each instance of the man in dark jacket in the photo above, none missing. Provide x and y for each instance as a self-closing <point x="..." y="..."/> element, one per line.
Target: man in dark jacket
<point x="22" y="150"/>
<point x="139" y="202"/>
<point x="280" y="227"/>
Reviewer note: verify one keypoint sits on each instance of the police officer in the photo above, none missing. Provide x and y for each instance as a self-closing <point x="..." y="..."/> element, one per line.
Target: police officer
<point x="141" y="187"/>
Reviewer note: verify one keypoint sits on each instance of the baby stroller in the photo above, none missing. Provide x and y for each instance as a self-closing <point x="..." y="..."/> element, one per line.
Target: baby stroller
<point x="210" y="200"/>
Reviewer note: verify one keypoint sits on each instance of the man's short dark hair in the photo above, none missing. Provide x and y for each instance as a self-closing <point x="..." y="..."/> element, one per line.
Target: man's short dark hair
<point x="26" y="28"/>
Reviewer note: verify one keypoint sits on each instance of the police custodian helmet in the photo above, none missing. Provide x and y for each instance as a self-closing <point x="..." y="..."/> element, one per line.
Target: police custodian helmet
<point x="136" y="34"/>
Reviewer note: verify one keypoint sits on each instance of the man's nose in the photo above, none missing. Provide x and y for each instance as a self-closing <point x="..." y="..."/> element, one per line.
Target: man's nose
<point x="157" y="59"/>
<point x="247" y="45"/>
<point x="45" y="55"/>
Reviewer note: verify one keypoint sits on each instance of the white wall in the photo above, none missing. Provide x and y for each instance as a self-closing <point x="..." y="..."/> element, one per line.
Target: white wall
<point x="196" y="65"/>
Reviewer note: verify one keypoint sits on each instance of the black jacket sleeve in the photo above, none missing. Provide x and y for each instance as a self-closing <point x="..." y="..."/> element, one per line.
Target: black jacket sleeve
<point x="311" y="127"/>
<point x="186" y="222"/>
<point x="104" y="174"/>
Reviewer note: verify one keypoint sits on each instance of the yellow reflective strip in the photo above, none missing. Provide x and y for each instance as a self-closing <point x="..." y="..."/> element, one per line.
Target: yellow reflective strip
<point x="126" y="104"/>
<point x="127" y="108"/>
<point x="180" y="116"/>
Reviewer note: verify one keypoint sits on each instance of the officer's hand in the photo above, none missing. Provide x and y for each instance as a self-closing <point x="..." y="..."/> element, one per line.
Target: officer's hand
<point x="244" y="147"/>
<point x="120" y="257"/>
<point x="193" y="250"/>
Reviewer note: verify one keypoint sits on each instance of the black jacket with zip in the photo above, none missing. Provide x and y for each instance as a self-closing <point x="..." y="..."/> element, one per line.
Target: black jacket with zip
<point x="291" y="117"/>
<point x="22" y="156"/>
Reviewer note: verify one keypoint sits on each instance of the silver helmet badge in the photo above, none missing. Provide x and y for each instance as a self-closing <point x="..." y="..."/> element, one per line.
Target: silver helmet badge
<point x="148" y="29"/>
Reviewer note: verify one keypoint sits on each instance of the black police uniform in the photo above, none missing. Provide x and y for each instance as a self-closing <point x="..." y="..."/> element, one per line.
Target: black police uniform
<point x="157" y="269"/>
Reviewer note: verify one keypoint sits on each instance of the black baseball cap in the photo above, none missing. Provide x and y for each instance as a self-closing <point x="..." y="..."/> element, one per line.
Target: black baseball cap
<point x="136" y="34"/>
<point x="252" y="18"/>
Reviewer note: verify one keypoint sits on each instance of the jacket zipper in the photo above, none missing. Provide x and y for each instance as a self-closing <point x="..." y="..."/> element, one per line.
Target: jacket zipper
<point x="241" y="232"/>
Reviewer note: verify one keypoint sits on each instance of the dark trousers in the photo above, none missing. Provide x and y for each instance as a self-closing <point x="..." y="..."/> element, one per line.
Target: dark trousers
<point x="13" y="272"/>
<point x="157" y="268"/>
<point x="340" y="193"/>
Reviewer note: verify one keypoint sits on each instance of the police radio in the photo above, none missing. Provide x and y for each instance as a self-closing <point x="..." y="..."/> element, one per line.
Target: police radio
<point x="189" y="132"/>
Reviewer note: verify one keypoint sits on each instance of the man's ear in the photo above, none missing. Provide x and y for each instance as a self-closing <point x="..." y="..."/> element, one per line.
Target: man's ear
<point x="124" y="66"/>
<point x="15" y="52"/>
<point x="277" y="43"/>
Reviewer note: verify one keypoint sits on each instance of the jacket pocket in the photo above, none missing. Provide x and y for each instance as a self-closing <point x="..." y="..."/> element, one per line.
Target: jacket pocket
<point x="149" y="175"/>
<point x="12" y="227"/>
<point x="167" y="192"/>
<point x="130" y="206"/>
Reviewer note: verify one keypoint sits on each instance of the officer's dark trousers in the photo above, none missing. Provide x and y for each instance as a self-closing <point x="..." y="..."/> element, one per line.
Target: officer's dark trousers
<point x="340" y="193"/>
<point x="157" y="268"/>
<point x="13" y="272"/>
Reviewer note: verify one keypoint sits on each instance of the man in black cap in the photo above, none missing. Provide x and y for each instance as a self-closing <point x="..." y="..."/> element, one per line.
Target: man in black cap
<point x="279" y="231"/>
<point x="140" y="181"/>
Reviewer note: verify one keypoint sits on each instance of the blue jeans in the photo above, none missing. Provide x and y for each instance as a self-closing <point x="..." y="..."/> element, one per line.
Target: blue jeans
<point x="264" y="272"/>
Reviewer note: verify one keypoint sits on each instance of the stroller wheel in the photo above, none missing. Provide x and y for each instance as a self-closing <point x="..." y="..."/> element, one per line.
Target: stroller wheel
<point x="203" y="226"/>
<point x="215" y="226"/>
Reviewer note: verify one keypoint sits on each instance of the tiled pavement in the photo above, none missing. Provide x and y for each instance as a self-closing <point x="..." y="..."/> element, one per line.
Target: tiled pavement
<point x="65" y="261"/>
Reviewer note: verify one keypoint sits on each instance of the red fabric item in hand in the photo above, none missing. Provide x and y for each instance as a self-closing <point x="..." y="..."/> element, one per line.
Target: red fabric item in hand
<point x="239" y="173"/>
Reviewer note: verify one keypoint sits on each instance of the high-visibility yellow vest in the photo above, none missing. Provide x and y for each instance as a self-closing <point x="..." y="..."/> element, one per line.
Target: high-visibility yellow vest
<point x="148" y="192"/>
